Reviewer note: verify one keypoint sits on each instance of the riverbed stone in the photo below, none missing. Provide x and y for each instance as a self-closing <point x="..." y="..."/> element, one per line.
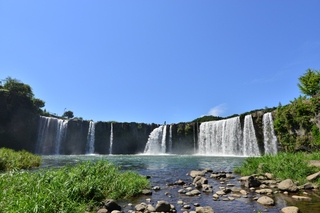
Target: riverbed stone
<point x="290" y="209"/>
<point x="163" y="206"/>
<point x="264" y="191"/>
<point x="146" y="192"/>
<point x="288" y="185"/>
<point x="204" y="209"/>
<point x="111" y="205"/>
<point x="266" y="201"/>
<point x="195" y="173"/>
<point x="141" y="207"/>
<point x="249" y="181"/>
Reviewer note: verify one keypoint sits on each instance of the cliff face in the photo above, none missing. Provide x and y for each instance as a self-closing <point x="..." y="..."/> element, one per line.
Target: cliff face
<point x="18" y="128"/>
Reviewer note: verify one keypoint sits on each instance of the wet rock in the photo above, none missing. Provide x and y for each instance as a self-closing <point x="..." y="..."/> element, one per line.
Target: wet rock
<point x="236" y="189"/>
<point x="163" y="206"/>
<point x="249" y="181"/>
<point x="308" y="186"/>
<point x="146" y="192"/>
<point x="195" y="173"/>
<point x="141" y="207"/>
<point x="266" y="201"/>
<point x="290" y="209"/>
<point x="150" y="208"/>
<point x="288" y="185"/>
<point x="187" y="207"/>
<point x="204" y="209"/>
<point x="195" y="192"/>
<point x="156" y="188"/>
<point x="112" y="205"/>
<point x="264" y="191"/>
<point x="179" y="182"/>
<point x="102" y="210"/>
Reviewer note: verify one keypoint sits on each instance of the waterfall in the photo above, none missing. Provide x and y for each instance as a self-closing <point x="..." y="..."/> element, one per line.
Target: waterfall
<point x="250" y="144"/>
<point x="51" y="133"/>
<point x="223" y="137"/>
<point x="170" y="139"/>
<point x="163" y="140"/>
<point x="270" y="139"/>
<point x="111" y="139"/>
<point x="156" y="141"/>
<point x="90" y="138"/>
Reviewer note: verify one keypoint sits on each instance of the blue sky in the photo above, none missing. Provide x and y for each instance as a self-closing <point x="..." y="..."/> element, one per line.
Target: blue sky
<point x="159" y="60"/>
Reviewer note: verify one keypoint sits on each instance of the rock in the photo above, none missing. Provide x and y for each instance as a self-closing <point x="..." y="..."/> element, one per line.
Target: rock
<point x="313" y="176"/>
<point x="290" y="209"/>
<point x="266" y="201"/>
<point x="199" y="180"/>
<point x="308" y="186"/>
<point x="156" y="188"/>
<point x="187" y="207"/>
<point x="116" y="211"/>
<point x="220" y="193"/>
<point x="181" y="191"/>
<point x="112" y="205"/>
<point x="243" y="192"/>
<point x="195" y="173"/>
<point x="288" y="185"/>
<point x="102" y="211"/>
<point x="195" y="192"/>
<point x="301" y="198"/>
<point x="141" y="207"/>
<point x="204" y="209"/>
<point x="269" y="176"/>
<point x="235" y="189"/>
<point x="150" y="208"/>
<point x="264" y="191"/>
<point x="163" y="206"/>
<point x="146" y="192"/>
<point x="249" y="181"/>
<point x="179" y="182"/>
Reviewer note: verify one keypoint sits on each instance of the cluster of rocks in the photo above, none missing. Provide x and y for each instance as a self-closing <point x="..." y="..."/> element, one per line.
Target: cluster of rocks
<point x="261" y="188"/>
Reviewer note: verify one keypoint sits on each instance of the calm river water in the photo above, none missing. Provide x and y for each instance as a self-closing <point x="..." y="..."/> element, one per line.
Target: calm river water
<point x="165" y="169"/>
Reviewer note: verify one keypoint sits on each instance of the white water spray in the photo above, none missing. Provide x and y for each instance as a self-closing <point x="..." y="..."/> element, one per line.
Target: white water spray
<point x="90" y="138"/>
<point x="156" y="143"/>
<point x="250" y="144"/>
<point x="111" y="139"/>
<point x="270" y="139"/>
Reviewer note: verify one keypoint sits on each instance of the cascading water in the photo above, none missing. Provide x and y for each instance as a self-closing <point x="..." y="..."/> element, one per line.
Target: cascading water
<point x="90" y="138"/>
<point x="250" y="144"/>
<point x="170" y="140"/>
<point x="270" y="139"/>
<point x="51" y="133"/>
<point x="111" y="139"/>
<point x="156" y="141"/>
<point x="223" y="137"/>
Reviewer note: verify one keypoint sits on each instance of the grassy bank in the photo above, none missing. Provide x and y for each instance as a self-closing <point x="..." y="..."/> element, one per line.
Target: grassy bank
<point x="283" y="166"/>
<point x="12" y="160"/>
<point x="67" y="189"/>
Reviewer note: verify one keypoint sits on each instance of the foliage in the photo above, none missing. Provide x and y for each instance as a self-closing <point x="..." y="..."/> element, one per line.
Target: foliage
<point x="19" y="95"/>
<point x="12" y="160"/>
<point x="68" y="114"/>
<point x="207" y="118"/>
<point x="283" y="166"/>
<point x="294" y="122"/>
<point x="310" y="82"/>
<point x="67" y="189"/>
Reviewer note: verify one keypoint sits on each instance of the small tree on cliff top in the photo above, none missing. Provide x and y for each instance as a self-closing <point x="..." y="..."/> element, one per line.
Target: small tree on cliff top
<point x="310" y="83"/>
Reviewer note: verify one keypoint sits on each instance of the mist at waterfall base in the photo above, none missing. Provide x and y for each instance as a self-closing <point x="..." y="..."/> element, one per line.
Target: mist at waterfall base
<point x="219" y="138"/>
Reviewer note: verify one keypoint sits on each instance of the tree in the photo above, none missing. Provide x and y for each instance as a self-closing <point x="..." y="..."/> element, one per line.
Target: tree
<point x="68" y="114"/>
<point x="310" y="82"/>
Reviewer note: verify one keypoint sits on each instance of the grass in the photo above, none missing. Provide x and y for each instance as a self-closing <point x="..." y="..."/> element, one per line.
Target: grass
<point x="283" y="166"/>
<point x="12" y="160"/>
<point x="67" y="189"/>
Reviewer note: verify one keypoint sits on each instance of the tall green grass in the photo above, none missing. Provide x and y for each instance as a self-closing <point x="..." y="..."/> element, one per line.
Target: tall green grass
<point x="283" y="166"/>
<point x="67" y="189"/>
<point x="16" y="160"/>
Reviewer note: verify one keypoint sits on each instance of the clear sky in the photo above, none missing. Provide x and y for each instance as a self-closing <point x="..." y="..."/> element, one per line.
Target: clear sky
<point x="159" y="60"/>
